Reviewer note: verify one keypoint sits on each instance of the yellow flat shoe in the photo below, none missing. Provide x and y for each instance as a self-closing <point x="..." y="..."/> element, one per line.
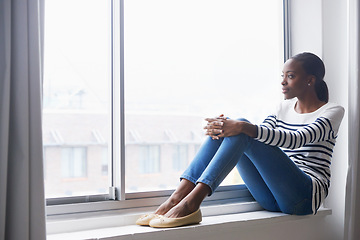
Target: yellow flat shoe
<point x="165" y="222"/>
<point x="145" y="219"/>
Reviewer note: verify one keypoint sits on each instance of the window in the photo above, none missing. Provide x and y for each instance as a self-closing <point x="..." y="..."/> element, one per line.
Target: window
<point x="127" y="84"/>
<point x="73" y="162"/>
<point x="185" y="60"/>
<point x="180" y="157"/>
<point x="149" y="159"/>
<point x="77" y="97"/>
<point x="105" y="162"/>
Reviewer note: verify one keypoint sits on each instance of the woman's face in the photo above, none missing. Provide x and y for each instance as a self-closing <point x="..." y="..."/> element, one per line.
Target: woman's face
<point x="294" y="79"/>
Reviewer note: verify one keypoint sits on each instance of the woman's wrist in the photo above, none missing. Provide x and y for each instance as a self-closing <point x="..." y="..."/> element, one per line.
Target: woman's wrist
<point x="248" y="129"/>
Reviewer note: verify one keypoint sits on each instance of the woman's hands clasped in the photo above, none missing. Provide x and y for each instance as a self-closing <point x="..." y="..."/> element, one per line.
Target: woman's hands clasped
<point x="222" y="127"/>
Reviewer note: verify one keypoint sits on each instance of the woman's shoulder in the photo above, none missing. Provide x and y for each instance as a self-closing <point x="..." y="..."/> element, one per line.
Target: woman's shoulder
<point x="334" y="107"/>
<point x="333" y="110"/>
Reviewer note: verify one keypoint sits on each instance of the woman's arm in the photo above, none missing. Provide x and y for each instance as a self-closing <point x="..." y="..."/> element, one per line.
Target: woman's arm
<point x="290" y="135"/>
<point x="318" y="131"/>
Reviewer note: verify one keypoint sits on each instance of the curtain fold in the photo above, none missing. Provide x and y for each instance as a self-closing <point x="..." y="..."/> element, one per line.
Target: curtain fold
<point x="22" y="202"/>
<point x="352" y="207"/>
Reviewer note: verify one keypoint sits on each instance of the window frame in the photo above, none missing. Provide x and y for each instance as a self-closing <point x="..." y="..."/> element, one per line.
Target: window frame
<point x="117" y="199"/>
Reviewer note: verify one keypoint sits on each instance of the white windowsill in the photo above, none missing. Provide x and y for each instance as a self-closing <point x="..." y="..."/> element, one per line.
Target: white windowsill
<point x="209" y="224"/>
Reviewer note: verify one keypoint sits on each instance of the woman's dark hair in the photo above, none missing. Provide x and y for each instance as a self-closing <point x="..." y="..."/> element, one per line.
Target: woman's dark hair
<point x="313" y="65"/>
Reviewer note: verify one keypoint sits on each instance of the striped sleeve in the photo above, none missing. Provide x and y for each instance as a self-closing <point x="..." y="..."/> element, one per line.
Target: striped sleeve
<point x="291" y="136"/>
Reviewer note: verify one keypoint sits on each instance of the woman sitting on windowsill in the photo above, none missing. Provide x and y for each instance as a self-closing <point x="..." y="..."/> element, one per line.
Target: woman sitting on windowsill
<point x="284" y="162"/>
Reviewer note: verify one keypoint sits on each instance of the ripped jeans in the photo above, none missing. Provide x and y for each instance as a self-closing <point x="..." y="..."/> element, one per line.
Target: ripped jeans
<point x="272" y="178"/>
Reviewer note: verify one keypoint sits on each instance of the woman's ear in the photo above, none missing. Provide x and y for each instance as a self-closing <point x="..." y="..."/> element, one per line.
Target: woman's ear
<point x="311" y="80"/>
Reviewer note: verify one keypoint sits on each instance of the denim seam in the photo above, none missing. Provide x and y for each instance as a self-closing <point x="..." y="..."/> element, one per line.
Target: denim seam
<point x="207" y="182"/>
<point x="187" y="177"/>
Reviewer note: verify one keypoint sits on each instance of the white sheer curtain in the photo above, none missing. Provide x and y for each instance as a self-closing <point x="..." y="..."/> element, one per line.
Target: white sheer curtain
<point x="22" y="203"/>
<point x="352" y="209"/>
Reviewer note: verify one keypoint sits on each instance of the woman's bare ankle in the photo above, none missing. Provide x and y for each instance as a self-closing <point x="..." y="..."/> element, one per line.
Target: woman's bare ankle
<point x="179" y="194"/>
<point x="182" y="209"/>
<point x="191" y="202"/>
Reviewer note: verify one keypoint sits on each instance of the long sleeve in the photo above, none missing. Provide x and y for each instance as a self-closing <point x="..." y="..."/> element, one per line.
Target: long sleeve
<point x="294" y="136"/>
<point x="285" y="134"/>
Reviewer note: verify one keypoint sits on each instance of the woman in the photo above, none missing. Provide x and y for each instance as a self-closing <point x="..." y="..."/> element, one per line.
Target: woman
<point x="284" y="162"/>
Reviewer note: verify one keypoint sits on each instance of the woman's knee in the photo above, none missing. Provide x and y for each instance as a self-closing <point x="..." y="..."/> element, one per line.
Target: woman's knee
<point x="243" y="119"/>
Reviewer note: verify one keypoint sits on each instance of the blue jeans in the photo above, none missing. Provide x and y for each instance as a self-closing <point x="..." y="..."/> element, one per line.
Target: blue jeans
<point x="272" y="178"/>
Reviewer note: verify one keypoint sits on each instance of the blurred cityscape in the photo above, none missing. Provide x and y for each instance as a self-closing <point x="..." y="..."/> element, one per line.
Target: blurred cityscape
<point x="77" y="154"/>
<point x="159" y="145"/>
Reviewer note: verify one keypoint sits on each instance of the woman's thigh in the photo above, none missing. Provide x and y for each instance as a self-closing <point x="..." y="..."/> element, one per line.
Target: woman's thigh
<point x="290" y="186"/>
<point x="256" y="185"/>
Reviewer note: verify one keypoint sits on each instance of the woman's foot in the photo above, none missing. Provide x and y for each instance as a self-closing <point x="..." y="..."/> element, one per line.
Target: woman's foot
<point x="165" y="222"/>
<point x="145" y="219"/>
<point x="190" y="203"/>
<point x="167" y="205"/>
<point x="181" y="192"/>
<point x="183" y="212"/>
<point x="182" y="209"/>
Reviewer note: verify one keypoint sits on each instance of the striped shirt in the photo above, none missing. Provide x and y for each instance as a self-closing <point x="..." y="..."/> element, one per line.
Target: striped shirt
<point x="308" y="139"/>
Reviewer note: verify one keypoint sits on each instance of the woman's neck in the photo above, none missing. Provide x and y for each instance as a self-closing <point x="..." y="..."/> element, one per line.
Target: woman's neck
<point x="308" y="105"/>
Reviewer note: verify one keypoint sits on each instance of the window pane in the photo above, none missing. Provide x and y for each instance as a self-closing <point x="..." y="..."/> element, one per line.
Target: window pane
<point x="190" y="59"/>
<point x="76" y="116"/>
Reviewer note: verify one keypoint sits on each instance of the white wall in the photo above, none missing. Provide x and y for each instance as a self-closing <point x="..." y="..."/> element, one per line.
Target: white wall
<point x="306" y="26"/>
<point x="336" y="50"/>
<point x="335" y="56"/>
<point x="321" y="27"/>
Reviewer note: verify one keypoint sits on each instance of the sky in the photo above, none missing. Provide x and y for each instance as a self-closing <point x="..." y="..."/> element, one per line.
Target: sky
<point x="188" y="56"/>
